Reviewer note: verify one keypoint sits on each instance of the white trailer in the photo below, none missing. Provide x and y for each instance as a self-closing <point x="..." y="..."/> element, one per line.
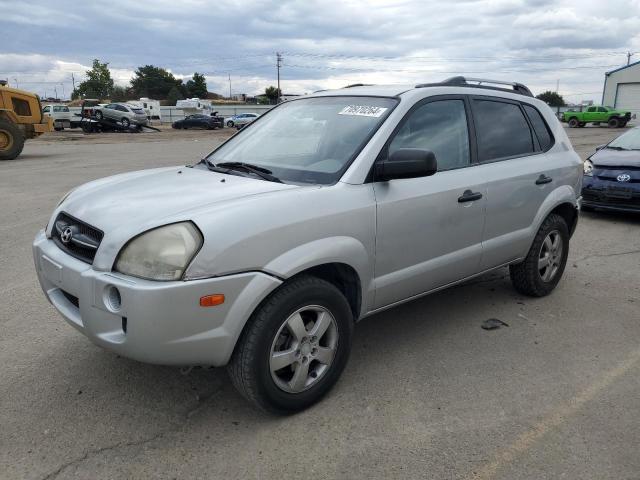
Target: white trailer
<point x="151" y="107"/>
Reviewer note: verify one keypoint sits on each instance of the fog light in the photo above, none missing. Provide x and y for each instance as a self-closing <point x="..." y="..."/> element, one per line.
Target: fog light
<point x="112" y="299"/>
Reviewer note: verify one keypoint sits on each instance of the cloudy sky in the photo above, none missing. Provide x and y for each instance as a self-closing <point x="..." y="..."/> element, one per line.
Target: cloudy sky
<point x="324" y="44"/>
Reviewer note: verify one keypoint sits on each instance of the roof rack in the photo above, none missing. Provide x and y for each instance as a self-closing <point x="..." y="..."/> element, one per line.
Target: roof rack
<point x="480" y="83"/>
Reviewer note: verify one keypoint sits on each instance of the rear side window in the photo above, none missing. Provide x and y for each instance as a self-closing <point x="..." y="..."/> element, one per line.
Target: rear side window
<point x="440" y="127"/>
<point x="21" y="107"/>
<point x="501" y="129"/>
<point x="602" y="109"/>
<point x="540" y="127"/>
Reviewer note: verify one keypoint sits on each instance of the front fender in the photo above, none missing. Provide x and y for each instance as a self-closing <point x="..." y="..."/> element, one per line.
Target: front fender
<point x="339" y="249"/>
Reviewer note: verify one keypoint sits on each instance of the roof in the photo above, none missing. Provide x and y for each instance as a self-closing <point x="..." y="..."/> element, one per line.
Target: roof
<point x="622" y="68"/>
<point x="368" y="90"/>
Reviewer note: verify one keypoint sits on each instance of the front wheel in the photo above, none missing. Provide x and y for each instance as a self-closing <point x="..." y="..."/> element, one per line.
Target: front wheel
<point x="573" y="122"/>
<point x="125" y="122"/>
<point x="614" y="123"/>
<point x="295" y="346"/>
<point x="11" y="140"/>
<point x="230" y="124"/>
<point x="543" y="266"/>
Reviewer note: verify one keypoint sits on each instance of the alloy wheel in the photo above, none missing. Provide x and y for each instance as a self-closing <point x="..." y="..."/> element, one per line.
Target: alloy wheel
<point x="303" y="349"/>
<point x="550" y="256"/>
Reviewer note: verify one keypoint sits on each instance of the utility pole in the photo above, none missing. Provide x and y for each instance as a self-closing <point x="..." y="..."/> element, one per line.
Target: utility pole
<point x="229" y="86"/>
<point x="73" y="81"/>
<point x="557" y="85"/>
<point x="17" y="84"/>
<point x="629" y="55"/>
<point x="63" y="95"/>
<point x="278" y="65"/>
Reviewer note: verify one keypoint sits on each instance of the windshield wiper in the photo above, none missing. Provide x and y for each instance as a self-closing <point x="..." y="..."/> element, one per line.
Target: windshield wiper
<point x="261" y="172"/>
<point x="615" y="148"/>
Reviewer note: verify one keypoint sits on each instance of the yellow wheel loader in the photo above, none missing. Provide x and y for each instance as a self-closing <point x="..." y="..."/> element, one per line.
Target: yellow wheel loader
<point x="21" y="118"/>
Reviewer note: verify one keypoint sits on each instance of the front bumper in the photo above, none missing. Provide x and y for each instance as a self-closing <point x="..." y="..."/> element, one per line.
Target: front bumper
<point x="610" y="195"/>
<point x="157" y="322"/>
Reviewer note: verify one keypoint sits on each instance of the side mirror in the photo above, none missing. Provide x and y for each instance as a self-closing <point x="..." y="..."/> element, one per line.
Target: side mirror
<point x="407" y="163"/>
<point x="600" y="147"/>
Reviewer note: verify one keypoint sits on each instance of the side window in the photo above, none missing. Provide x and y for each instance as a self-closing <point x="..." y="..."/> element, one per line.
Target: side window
<point x="602" y="109"/>
<point x="46" y="109"/>
<point x="64" y="109"/>
<point x="591" y="109"/>
<point x="540" y="127"/>
<point x="21" y="107"/>
<point x="501" y="129"/>
<point x="440" y="127"/>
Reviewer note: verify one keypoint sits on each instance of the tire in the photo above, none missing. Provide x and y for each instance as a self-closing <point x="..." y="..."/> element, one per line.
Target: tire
<point x="613" y="122"/>
<point x="125" y="122"/>
<point x="268" y="332"/>
<point x="527" y="276"/>
<point x="573" y="122"/>
<point x="230" y="124"/>
<point x="582" y="124"/>
<point x="11" y="140"/>
<point x="99" y="115"/>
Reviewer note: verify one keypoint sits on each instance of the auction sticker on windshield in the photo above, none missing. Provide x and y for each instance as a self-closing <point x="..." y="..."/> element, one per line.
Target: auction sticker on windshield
<point x="362" y="111"/>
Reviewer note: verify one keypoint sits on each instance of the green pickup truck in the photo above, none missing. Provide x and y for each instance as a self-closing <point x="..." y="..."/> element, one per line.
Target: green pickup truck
<point x="597" y="115"/>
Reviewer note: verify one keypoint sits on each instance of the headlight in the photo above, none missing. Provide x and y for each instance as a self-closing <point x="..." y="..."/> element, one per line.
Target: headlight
<point x="588" y="168"/>
<point x="163" y="253"/>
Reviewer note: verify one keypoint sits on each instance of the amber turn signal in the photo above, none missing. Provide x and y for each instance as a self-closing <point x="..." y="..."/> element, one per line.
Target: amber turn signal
<point x="212" y="300"/>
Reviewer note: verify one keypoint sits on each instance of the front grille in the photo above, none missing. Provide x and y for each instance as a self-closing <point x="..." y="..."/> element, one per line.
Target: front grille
<point x="75" y="237"/>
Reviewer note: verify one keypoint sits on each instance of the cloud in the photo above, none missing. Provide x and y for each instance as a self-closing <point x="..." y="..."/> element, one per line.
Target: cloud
<point x="325" y="43"/>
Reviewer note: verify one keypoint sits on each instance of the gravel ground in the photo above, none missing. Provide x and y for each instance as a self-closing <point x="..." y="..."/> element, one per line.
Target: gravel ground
<point x="427" y="392"/>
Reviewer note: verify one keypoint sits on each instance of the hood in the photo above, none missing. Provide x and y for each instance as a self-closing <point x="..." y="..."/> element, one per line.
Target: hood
<point x="616" y="158"/>
<point x="141" y="200"/>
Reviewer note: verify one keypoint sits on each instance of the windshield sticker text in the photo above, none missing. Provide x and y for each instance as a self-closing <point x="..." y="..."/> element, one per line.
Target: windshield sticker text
<point x="362" y="111"/>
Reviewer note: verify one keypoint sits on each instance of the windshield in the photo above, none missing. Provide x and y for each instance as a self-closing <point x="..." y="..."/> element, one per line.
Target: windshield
<point x="627" y="141"/>
<point x="308" y="141"/>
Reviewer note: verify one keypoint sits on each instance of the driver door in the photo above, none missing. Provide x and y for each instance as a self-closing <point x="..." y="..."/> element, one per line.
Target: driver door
<point x="429" y="229"/>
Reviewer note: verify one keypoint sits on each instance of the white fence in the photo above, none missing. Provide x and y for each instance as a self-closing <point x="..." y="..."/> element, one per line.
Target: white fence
<point x="171" y="114"/>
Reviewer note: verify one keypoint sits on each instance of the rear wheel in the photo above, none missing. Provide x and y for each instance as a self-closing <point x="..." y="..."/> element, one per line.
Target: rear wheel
<point x="11" y="140"/>
<point x="230" y="123"/>
<point x="573" y="122"/>
<point x="295" y="346"/>
<point x="613" y="122"/>
<point x="99" y="115"/>
<point x="125" y="122"/>
<point x="543" y="266"/>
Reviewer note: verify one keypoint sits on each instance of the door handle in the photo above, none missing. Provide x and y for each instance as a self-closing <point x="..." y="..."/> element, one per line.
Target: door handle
<point x="469" y="196"/>
<point x="542" y="179"/>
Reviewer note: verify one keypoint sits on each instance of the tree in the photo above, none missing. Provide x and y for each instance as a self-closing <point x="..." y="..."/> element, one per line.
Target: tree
<point x="121" y="94"/>
<point x="553" y="99"/>
<point x="98" y="84"/>
<point x="173" y="96"/>
<point x="154" y="82"/>
<point x="197" y="87"/>
<point x="272" y="93"/>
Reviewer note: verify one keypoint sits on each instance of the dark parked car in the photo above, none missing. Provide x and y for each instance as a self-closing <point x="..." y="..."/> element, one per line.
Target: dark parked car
<point x="199" y="121"/>
<point x="612" y="175"/>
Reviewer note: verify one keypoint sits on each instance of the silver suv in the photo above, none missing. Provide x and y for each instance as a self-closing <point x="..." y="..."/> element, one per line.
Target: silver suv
<point x="323" y="211"/>
<point x="127" y="115"/>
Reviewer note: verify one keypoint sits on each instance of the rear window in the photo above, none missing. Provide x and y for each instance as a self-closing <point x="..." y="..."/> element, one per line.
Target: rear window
<point x="540" y="127"/>
<point x="502" y="130"/>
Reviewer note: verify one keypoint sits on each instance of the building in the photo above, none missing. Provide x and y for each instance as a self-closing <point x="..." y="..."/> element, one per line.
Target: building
<point x="622" y="88"/>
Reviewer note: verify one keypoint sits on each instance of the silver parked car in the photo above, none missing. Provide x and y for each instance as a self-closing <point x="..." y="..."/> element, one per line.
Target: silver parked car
<point x="324" y="211"/>
<point x="241" y="119"/>
<point x="120" y="112"/>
